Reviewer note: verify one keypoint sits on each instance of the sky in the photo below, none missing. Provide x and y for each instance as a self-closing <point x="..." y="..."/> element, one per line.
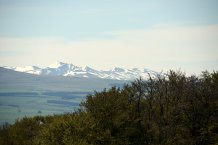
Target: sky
<point x="155" y="34"/>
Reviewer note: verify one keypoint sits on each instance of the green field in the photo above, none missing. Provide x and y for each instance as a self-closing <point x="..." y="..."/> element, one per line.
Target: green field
<point x="18" y="105"/>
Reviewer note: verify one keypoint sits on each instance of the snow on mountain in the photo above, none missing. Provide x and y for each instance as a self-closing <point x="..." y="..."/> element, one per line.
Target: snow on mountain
<point x="65" y="69"/>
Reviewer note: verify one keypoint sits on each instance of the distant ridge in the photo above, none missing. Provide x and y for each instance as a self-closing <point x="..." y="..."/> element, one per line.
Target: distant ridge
<point x="68" y="69"/>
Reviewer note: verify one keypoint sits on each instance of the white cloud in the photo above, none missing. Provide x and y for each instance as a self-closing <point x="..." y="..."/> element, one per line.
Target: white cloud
<point x="177" y="46"/>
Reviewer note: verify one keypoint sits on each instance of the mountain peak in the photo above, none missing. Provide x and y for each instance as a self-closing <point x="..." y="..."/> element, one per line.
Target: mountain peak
<point x="55" y="65"/>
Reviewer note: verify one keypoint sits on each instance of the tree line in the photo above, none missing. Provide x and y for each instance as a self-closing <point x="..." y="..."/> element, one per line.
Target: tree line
<point x="171" y="110"/>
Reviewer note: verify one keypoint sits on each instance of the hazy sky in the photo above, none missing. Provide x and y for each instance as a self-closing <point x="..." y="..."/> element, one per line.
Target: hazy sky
<point x="153" y="34"/>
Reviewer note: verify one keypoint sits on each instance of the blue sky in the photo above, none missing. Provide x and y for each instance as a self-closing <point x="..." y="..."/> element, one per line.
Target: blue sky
<point x="157" y="34"/>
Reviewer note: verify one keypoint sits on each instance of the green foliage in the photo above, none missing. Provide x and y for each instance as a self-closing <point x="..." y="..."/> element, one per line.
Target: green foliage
<point x="173" y="110"/>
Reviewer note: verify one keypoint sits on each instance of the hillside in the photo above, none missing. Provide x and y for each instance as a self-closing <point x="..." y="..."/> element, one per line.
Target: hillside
<point x="178" y="110"/>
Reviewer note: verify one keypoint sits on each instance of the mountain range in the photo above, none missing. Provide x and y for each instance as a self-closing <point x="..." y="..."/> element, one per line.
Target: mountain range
<point x="68" y="69"/>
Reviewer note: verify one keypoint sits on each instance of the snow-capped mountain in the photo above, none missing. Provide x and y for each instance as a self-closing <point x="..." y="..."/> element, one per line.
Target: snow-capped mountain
<point x="65" y="69"/>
